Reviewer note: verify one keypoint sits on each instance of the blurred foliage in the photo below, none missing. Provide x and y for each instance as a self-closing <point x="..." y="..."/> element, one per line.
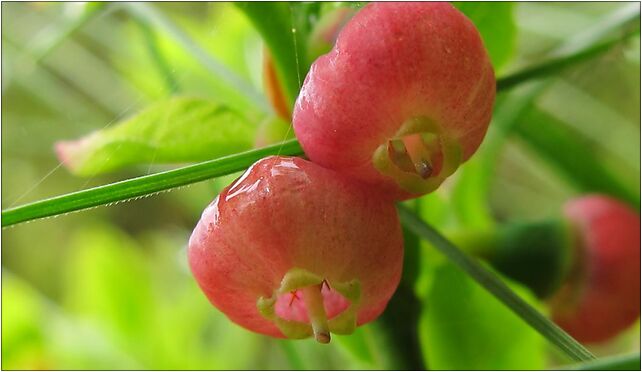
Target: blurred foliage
<point x="463" y="327"/>
<point x="110" y="288"/>
<point x="180" y="129"/>
<point x="497" y="28"/>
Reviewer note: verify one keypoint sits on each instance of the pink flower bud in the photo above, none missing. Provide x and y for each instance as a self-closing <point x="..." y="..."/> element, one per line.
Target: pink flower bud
<point x="602" y="296"/>
<point x="291" y="249"/>
<point x="403" y="98"/>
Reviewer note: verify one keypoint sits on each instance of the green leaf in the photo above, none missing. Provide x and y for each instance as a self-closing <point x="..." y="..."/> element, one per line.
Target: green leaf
<point x="470" y="193"/>
<point x="148" y="14"/>
<point x="47" y="41"/>
<point x="473" y="180"/>
<point x="284" y="29"/>
<point x="174" y="130"/>
<point x="108" y="281"/>
<point x="24" y="320"/>
<point x="463" y="327"/>
<point x="369" y="347"/>
<point x="496" y="26"/>
<point x="358" y="346"/>
<point x="496" y="287"/>
<point x="572" y="156"/>
<point x="127" y="290"/>
<point x="37" y="334"/>
<point x="554" y="65"/>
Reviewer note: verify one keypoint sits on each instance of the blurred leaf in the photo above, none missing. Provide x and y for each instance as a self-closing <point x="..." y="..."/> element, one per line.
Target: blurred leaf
<point x="174" y="130"/>
<point x="368" y="347"/>
<point x="209" y="339"/>
<point x="37" y="334"/>
<point x="23" y="321"/>
<point x="473" y="179"/>
<point x="284" y="27"/>
<point x="463" y="327"/>
<point x="564" y="60"/>
<point x="141" y="300"/>
<point x="496" y="26"/>
<point x="494" y="285"/>
<point x="571" y="156"/>
<point x="109" y="282"/>
<point x="358" y="346"/>
<point x="238" y="86"/>
<point x="436" y="210"/>
<point x="470" y="194"/>
<point x="399" y="324"/>
<point x="156" y="56"/>
<point x="308" y="354"/>
<point x="77" y="15"/>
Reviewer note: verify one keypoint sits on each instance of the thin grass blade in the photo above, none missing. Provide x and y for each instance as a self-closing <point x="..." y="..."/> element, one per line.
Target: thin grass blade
<point x="145" y="185"/>
<point x="497" y="287"/>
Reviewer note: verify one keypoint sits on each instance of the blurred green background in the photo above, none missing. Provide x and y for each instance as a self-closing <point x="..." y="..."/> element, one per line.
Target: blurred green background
<point x="110" y="288"/>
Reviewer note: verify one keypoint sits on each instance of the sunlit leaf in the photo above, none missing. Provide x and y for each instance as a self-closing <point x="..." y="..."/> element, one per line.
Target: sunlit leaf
<point x="496" y="26"/>
<point x="109" y="282"/>
<point x="496" y="286"/>
<point x="358" y="346"/>
<point x="37" y="334"/>
<point x="463" y="327"/>
<point x="473" y="180"/>
<point x="170" y="131"/>
<point x="237" y="85"/>
<point x="23" y="336"/>
<point x="284" y="27"/>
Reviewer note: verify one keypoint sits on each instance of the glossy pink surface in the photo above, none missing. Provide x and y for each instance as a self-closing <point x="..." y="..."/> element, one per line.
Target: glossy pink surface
<point x="393" y="62"/>
<point x="286" y="213"/>
<point x="606" y="297"/>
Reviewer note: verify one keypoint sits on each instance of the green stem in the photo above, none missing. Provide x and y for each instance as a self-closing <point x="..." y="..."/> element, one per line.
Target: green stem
<point x="537" y="254"/>
<point x="145" y="185"/>
<point x="628" y="362"/>
<point x="558" y="64"/>
<point x="496" y="287"/>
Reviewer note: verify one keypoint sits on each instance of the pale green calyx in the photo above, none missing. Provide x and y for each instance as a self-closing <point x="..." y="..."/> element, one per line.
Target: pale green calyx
<point x="311" y="286"/>
<point x="419" y="157"/>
